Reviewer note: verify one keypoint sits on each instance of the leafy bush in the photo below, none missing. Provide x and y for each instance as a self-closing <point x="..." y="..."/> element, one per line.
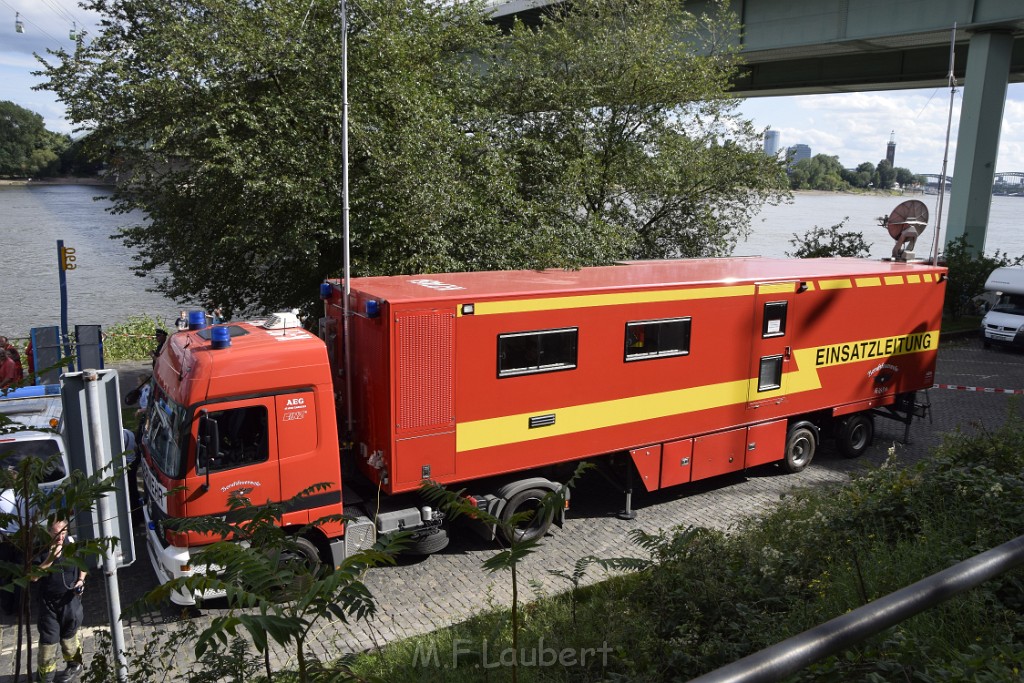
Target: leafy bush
<point x="968" y="272"/>
<point x="823" y="242"/>
<point x="131" y="340"/>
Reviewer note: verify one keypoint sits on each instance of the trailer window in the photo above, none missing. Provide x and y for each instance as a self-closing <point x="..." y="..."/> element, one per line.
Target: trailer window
<point x="657" y="338"/>
<point x="770" y="376"/>
<point x="774" y="324"/>
<point x="524" y="353"/>
<point x="242" y="438"/>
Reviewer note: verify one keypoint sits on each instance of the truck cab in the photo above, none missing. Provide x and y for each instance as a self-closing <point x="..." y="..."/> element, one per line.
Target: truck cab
<point x="238" y="410"/>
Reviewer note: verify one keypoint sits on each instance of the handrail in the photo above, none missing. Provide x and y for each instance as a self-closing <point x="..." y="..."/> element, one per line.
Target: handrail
<point x="783" y="659"/>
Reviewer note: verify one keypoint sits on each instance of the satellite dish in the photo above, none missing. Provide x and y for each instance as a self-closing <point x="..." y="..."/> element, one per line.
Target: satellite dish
<point x="911" y="212"/>
<point x="905" y="224"/>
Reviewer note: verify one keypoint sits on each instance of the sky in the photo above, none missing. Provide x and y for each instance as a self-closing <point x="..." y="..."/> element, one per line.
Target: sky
<point x="852" y="126"/>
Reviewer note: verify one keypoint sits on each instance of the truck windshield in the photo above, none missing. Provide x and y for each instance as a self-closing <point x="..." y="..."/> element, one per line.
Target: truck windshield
<point x="166" y="436"/>
<point x="1010" y="303"/>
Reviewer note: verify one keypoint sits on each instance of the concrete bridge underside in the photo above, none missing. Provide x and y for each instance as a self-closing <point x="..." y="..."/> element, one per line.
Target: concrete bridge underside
<point x="801" y="47"/>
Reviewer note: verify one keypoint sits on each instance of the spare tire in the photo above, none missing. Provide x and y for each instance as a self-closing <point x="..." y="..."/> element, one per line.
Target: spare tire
<point x="427" y="544"/>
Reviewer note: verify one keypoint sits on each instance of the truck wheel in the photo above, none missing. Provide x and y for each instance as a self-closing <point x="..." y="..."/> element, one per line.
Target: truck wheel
<point x="856" y="433"/>
<point x="428" y="544"/>
<point x="305" y="551"/>
<point x="800" y="445"/>
<point x="533" y="528"/>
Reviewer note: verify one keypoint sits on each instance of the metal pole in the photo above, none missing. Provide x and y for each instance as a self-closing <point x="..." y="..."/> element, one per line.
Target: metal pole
<point x="347" y="269"/>
<point x="63" y="280"/>
<point x="779" y="661"/>
<point x="945" y="154"/>
<point x="107" y="509"/>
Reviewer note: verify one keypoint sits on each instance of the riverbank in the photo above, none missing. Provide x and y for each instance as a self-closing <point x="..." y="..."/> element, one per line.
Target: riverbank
<point x="861" y="193"/>
<point x="63" y="180"/>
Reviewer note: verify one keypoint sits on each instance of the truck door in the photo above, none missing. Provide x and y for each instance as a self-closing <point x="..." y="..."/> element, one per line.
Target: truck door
<point x="771" y="346"/>
<point x="236" y="455"/>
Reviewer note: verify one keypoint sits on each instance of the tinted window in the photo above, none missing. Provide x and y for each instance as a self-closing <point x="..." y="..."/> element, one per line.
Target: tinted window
<point x="524" y="353"/>
<point x="243" y="438"/>
<point x="657" y="338"/>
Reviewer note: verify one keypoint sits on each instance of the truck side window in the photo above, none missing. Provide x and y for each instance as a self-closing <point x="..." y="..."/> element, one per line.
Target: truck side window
<point x="524" y="353"/>
<point x="770" y="376"/>
<point x="774" y="324"/>
<point x="657" y="338"/>
<point x="243" y="438"/>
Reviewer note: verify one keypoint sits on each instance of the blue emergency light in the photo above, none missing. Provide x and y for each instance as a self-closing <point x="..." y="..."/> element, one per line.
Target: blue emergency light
<point x="220" y="337"/>
<point x="196" y="320"/>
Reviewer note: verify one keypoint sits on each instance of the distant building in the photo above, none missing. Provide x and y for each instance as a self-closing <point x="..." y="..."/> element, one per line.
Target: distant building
<point x="772" y="139"/>
<point x="797" y="153"/>
<point x="890" y="150"/>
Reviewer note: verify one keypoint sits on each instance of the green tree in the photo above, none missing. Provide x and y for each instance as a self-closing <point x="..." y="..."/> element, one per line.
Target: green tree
<point x="595" y="137"/>
<point x="831" y="241"/>
<point x="820" y="172"/>
<point x="617" y="137"/>
<point x="26" y="147"/>
<point x="224" y="126"/>
<point x="862" y="176"/>
<point x="906" y="178"/>
<point x="885" y="175"/>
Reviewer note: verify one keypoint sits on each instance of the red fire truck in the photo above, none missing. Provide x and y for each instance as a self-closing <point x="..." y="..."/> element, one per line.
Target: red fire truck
<point x="683" y="369"/>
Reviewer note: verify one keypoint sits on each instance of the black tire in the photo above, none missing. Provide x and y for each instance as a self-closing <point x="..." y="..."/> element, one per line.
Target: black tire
<point x="856" y="432"/>
<point x="307" y="550"/>
<point x="533" y="528"/>
<point x="427" y="544"/>
<point x="800" y="446"/>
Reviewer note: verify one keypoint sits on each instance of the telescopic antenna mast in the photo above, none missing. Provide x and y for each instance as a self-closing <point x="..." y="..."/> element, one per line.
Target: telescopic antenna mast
<point x="945" y="155"/>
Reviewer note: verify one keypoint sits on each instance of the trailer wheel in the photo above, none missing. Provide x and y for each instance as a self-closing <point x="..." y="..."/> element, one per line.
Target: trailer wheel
<point x="800" y="446"/>
<point x="856" y="433"/>
<point x="533" y="528"/>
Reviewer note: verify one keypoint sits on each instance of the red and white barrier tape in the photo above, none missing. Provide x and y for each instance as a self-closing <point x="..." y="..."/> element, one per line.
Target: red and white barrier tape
<point x="984" y="390"/>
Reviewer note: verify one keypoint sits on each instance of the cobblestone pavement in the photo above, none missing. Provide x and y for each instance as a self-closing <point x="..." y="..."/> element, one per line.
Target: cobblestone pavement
<point x="416" y="597"/>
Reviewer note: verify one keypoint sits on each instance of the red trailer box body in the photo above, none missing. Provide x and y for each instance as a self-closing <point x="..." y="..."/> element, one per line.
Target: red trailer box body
<point x="701" y="363"/>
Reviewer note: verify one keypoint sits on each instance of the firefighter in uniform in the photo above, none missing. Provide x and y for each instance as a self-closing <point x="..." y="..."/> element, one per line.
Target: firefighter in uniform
<point x="59" y="599"/>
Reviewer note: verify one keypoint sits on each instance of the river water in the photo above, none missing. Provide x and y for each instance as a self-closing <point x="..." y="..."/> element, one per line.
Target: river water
<point x="103" y="290"/>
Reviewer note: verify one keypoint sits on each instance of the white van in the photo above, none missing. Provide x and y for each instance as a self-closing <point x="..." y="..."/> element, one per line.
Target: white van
<point x="1004" y="323"/>
<point x="34" y="427"/>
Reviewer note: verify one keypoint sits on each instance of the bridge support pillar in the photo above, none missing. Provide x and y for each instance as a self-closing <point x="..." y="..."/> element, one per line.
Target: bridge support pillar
<point x="977" y="142"/>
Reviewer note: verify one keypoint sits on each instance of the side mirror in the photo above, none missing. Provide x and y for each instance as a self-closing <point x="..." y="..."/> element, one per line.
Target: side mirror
<point x="207" y="445"/>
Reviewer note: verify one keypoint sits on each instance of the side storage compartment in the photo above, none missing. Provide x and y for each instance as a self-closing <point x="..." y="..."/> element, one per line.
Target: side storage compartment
<point x="719" y="453"/>
<point x="766" y="443"/>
